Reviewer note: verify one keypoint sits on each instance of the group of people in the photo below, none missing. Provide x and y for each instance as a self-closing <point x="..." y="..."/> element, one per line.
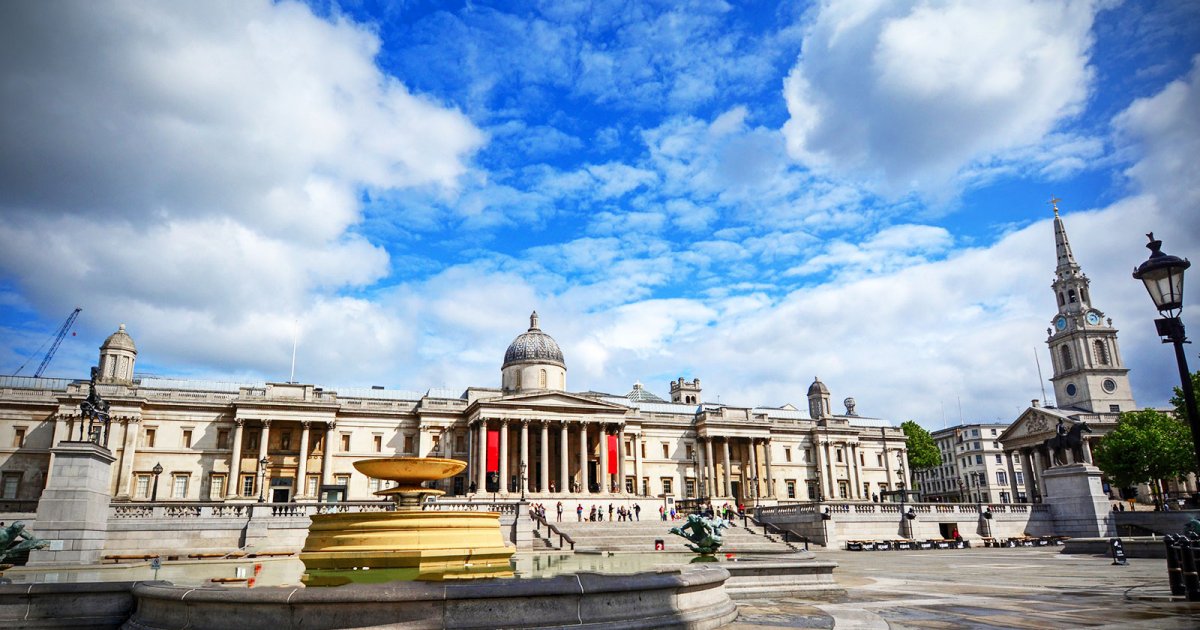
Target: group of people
<point x="619" y="513"/>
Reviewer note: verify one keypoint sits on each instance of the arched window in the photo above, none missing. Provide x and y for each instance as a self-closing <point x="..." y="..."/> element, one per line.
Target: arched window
<point x="1083" y="294"/>
<point x="1101" y="352"/>
<point x="542" y="379"/>
<point x="1065" y="352"/>
<point x="516" y="379"/>
<point x="1071" y="295"/>
<point x="1061" y="301"/>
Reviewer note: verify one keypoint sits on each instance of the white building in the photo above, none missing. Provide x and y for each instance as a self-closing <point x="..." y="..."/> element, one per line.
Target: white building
<point x="973" y="468"/>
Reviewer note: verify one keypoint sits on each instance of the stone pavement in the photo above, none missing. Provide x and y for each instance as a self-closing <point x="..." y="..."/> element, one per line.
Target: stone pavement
<point x="982" y="588"/>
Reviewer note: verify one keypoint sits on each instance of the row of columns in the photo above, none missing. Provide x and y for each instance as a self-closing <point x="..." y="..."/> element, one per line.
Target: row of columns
<point x="605" y="481"/>
<point x="716" y="482"/>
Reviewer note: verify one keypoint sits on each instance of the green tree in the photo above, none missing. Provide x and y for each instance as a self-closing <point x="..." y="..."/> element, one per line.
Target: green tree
<point x="1177" y="399"/>
<point x="922" y="451"/>
<point x="1147" y="446"/>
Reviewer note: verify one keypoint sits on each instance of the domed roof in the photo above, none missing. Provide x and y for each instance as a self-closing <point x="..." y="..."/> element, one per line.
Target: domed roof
<point x="817" y="387"/>
<point x="641" y="394"/>
<point x="119" y="340"/>
<point x="533" y="346"/>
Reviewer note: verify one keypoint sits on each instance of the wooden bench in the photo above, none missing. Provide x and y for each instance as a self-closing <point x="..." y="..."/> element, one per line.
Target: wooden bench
<point x="904" y="544"/>
<point x="988" y="541"/>
<point x="119" y="558"/>
<point x="271" y="554"/>
<point x="227" y="580"/>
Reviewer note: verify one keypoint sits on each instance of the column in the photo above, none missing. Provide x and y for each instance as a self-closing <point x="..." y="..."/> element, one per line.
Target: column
<point x="481" y="458"/>
<point x="754" y="469"/>
<point x="564" y="459"/>
<point x="636" y="445"/>
<point x="621" y="458"/>
<point x="701" y="467"/>
<point x="857" y="493"/>
<point x="504" y="480"/>
<point x="262" y="454"/>
<point x="583" y="458"/>
<point x="235" y="461"/>
<point x="128" y="451"/>
<point x="830" y="486"/>
<point x="302" y="462"/>
<point x="887" y="467"/>
<point x="327" y="456"/>
<point x="709" y="467"/>
<point x="1012" y="476"/>
<point x="605" y="480"/>
<point x="728" y="488"/>
<point x="523" y="466"/>
<point x="770" y="474"/>
<point x="1031" y="489"/>
<point x="544" y="470"/>
<point x="819" y="465"/>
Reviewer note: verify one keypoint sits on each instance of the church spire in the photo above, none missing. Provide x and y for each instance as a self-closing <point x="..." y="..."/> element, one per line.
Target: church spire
<point x="1067" y="266"/>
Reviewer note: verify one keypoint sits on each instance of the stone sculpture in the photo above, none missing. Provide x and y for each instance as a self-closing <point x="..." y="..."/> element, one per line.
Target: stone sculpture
<point x="704" y="533"/>
<point x="15" y="541"/>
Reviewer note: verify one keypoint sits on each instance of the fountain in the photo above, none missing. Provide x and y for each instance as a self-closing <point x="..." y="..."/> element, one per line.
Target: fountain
<point x="408" y="542"/>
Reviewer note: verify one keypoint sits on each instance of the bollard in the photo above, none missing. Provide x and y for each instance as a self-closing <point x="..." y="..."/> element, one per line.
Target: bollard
<point x="1191" y="581"/>
<point x="1174" y="572"/>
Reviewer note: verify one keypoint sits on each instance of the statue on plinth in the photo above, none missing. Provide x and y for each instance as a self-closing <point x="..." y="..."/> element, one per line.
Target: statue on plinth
<point x="703" y="533"/>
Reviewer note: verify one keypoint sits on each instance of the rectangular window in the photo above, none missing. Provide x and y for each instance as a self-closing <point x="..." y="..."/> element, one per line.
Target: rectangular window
<point x="345" y="442"/>
<point x="689" y="487"/>
<point x="628" y="446"/>
<point x="18" y="437"/>
<point x="843" y="489"/>
<point x="999" y="459"/>
<point x="979" y="459"/>
<point x="342" y="480"/>
<point x="1020" y="478"/>
<point x="690" y="452"/>
<point x="1114" y="408"/>
<point x="879" y="459"/>
<point x="629" y="485"/>
<point x="141" y="487"/>
<point x="839" y="455"/>
<point x="460" y="444"/>
<point x="666" y="451"/>
<point x="974" y="432"/>
<point x="995" y="445"/>
<point x="787" y="454"/>
<point x="285" y="440"/>
<point x="993" y="432"/>
<point x="862" y="458"/>
<point x="644" y="451"/>
<point x="813" y="494"/>
<point x="252" y="440"/>
<point x="10" y="485"/>
<point x="666" y="485"/>
<point x="372" y="485"/>
<point x="378" y="443"/>
<point x="148" y="437"/>
<point x="791" y="488"/>
<point x="179" y="486"/>
<point x="187" y="438"/>
<point x="223" y="438"/>
<point x="247" y="485"/>
<point x="1001" y="478"/>
<point x="645" y="484"/>
<point x="408" y="444"/>
<point x="216" y="488"/>
<point x="866" y="488"/>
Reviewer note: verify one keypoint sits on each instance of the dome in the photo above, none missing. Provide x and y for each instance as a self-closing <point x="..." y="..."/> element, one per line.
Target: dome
<point x="641" y="394"/>
<point x="119" y="340"/>
<point x="817" y="387"/>
<point x="533" y="346"/>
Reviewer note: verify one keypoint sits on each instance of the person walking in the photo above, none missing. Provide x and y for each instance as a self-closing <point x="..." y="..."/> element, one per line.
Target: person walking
<point x="637" y="511"/>
<point x="579" y="512"/>
<point x="560" y="511"/>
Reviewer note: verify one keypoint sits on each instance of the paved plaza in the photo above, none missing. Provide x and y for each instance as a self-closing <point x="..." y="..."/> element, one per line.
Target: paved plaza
<point x="982" y="588"/>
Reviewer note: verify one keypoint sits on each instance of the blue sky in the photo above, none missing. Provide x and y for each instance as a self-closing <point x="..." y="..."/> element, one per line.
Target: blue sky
<point x="749" y="193"/>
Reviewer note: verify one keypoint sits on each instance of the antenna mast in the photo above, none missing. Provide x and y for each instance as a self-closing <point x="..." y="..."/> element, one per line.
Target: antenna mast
<point x="295" y="339"/>
<point x="1041" y="381"/>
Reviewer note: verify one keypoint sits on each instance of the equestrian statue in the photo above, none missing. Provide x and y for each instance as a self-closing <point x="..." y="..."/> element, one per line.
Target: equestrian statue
<point x="1066" y="440"/>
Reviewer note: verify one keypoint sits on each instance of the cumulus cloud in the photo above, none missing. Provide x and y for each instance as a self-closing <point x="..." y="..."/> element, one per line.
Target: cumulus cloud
<point x="907" y="94"/>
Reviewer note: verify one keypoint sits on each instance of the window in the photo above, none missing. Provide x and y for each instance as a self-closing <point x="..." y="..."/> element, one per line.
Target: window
<point x="628" y="446"/>
<point x="995" y="445"/>
<point x="378" y="439"/>
<point x="643" y="446"/>
<point x="690" y="452"/>
<point x="1001" y="478"/>
<point x="999" y="458"/>
<point x="312" y="485"/>
<point x="342" y="480"/>
<point x="879" y="459"/>
<point x="148" y="437"/>
<point x="179" y="486"/>
<point x="666" y="451"/>
<point x="372" y="485"/>
<point x="1071" y="296"/>
<point x="978" y="446"/>
<point x="9" y="485"/>
<point x="345" y="442"/>
<point x="993" y="432"/>
<point x="974" y="432"/>
<point x="542" y="379"/>
<point x="18" y="437"/>
<point x="791" y="488"/>
<point x="247" y="485"/>
<point x="223" y="438"/>
<point x="666" y="485"/>
<point x="979" y="459"/>
<point x="1061" y="301"/>
<point x="460" y="444"/>
<point x="689" y="487"/>
<point x="252" y="440"/>
<point x="645" y="485"/>
<point x="866" y="489"/>
<point x="629" y="484"/>
<point x="408" y="444"/>
<point x="1114" y="408"/>
<point x="216" y="488"/>
<point x="787" y="454"/>
<point x="1020" y="478"/>
<point x="187" y="438"/>
<point x="862" y="458"/>
<point x="141" y="487"/>
<point x="1065" y="353"/>
<point x="843" y="489"/>
<point x="839" y="455"/>
<point x="285" y="440"/>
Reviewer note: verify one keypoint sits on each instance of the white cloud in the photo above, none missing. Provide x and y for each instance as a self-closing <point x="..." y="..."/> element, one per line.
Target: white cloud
<point x="909" y="93"/>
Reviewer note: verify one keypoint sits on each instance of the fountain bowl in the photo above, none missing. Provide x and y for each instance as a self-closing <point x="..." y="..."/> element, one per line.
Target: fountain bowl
<point x="410" y="471"/>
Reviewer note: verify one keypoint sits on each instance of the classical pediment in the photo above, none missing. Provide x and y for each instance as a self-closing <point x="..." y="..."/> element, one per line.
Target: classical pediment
<point x="548" y="401"/>
<point x="1035" y="425"/>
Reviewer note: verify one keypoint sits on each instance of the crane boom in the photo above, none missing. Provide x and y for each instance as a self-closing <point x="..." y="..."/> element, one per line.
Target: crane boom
<point x="62" y="332"/>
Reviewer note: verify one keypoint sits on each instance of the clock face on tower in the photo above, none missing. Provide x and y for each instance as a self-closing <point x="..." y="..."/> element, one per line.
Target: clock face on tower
<point x="1060" y="323"/>
<point x="1093" y="318"/>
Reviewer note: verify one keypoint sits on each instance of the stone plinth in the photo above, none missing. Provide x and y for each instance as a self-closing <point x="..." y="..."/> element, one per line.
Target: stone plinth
<point x="1077" y="501"/>
<point x="73" y="511"/>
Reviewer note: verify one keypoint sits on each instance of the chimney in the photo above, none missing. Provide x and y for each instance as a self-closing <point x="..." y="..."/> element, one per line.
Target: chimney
<point x="1035" y="403"/>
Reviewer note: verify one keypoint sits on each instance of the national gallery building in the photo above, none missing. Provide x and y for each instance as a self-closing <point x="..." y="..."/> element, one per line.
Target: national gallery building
<point x="200" y="441"/>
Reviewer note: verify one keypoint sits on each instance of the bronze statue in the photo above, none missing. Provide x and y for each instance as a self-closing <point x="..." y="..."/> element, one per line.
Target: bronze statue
<point x="95" y="410"/>
<point x="704" y="533"/>
<point x="15" y="540"/>
<point x="1066" y="439"/>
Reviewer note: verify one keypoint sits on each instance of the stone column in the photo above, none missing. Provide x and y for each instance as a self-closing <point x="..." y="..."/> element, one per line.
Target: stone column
<point x="235" y="460"/>
<point x="636" y="445"/>
<point x="621" y="458"/>
<point x="710" y="468"/>
<point x="583" y="458"/>
<point x="830" y="486"/>
<point x="544" y="469"/>
<point x="1012" y="476"/>
<point x="728" y="488"/>
<point x="302" y="463"/>
<point x="481" y="461"/>
<point x="327" y="456"/>
<point x="819" y="466"/>
<point x="770" y="474"/>
<point x="504" y="480"/>
<point x="701" y="467"/>
<point x="262" y="453"/>
<point x="523" y="467"/>
<point x="128" y="451"/>
<point x="887" y="467"/>
<point x="605" y="480"/>
<point x="855" y="471"/>
<point x="754" y="470"/>
<point x="564" y="459"/>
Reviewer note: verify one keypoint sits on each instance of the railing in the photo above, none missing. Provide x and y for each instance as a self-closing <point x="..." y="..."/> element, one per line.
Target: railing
<point x="551" y="530"/>
<point x="198" y="510"/>
<point x="894" y="508"/>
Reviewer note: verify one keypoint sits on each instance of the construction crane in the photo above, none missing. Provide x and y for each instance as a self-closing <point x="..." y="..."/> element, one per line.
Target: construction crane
<point x="58" y="337"/>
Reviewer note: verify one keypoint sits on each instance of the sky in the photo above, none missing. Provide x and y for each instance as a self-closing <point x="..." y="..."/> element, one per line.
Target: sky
<point x="749" y="193"/>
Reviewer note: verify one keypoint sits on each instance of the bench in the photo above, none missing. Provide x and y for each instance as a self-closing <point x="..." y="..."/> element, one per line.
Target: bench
<point x="904" y="544"/>
<point x="988" y="541"/>
<point x="271" y="554"/>
<point x="119" y="558"/>
<point x="220" y="555"/>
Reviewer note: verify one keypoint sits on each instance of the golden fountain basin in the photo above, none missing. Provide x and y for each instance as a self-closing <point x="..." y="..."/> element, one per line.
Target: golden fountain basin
<point x="410" y="470"/>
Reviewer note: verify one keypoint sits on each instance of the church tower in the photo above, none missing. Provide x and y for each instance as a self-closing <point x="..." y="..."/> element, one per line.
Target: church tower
<point x="1088" y="372"/>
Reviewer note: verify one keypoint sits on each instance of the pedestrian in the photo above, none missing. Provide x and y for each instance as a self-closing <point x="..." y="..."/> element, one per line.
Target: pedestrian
<point x="874" y="498"/>
<point x="637" y="511"/>
<point x="1122" y="506"/>
<point x="610" y="511"/>
<point x="579" y="512"/>
<point x="662" y="513"/>
<point x="560" y="511"/>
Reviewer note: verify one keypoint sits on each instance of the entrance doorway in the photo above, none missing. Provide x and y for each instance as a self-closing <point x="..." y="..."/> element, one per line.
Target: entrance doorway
<point x="737" y="491"/>
<point x="591" y="476"/>
<point x="280" y="495"/>
<point x="948" y="530"/>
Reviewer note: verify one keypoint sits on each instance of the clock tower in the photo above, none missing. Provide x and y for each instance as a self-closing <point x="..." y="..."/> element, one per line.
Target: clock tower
<point x="1088" y="372"/>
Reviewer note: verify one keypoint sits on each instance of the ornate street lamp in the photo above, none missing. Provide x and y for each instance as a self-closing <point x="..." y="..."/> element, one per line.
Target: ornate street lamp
<point x="524" y="466"/>
<point x="157" y="470"/>
<point x="1163" y="276"/>
<point x="262" y="479"/>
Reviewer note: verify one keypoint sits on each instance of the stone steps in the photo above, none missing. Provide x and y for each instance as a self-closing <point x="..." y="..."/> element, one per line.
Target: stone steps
<point x="640" y="536"/>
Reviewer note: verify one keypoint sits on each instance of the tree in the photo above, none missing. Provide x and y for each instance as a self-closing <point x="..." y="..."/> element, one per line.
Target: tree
<point x="1147" y="446"/>
<point x="1177" y="399"/>
<point x="923" y="453"/>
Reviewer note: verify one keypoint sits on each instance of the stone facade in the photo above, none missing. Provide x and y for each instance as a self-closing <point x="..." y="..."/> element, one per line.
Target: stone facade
<point x="285" y="442"/>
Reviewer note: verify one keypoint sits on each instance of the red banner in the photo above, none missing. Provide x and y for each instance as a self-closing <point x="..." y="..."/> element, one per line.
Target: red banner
<point x="612" y="454"/>
<point x="493" y="450"/>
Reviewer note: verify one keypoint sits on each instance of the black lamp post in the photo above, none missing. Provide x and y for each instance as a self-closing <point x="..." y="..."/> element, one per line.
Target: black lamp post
<point x="961" y="486"/>
<point x="262" y="479"/>
<point x="524" y="467"/>
<point x="157" y="470"/>
<point x="1163" y="276"/>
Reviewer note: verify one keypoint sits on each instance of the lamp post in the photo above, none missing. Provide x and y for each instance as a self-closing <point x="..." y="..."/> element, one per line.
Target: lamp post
<point x="524" y="467"/>
<point x="902" y="486"/>
<point x="961" y="486"/>
<point x="157" y="470"/>
<point x="1163" y="276"/>
<point x="262" y="479"/>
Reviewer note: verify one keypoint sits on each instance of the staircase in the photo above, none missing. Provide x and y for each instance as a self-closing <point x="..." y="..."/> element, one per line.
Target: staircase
<point x="639" y="536"/>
